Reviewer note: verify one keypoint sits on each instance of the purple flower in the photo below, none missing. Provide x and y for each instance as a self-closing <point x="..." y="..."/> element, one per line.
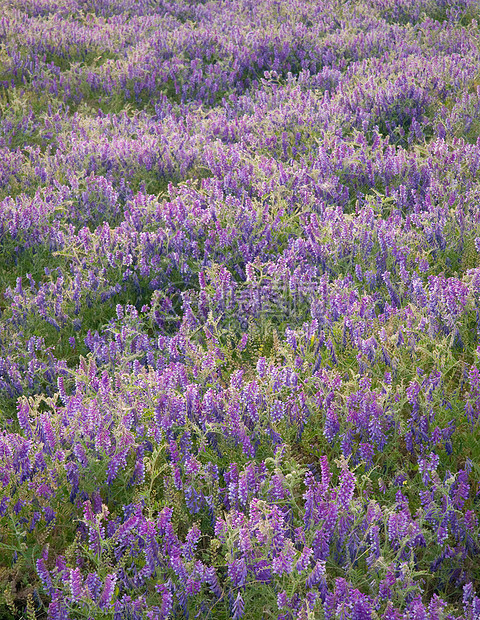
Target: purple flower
<point x="212" y="580"/>
<point x="238" y="607"/>
<point x="44" y="575"/>
<point x="117" y="463"/>
<point x="262" y="367"/>
<point x="346" y="489"/>
<point x="23" y="418"/>
<point x="304" y="560"/>
<point x="76" y="584"/>
<point x="167" y="600"/>
<point x="332" y="426"/>
<point x="283" y="562"/>
<point x="242" y="342"/>
<point x="317" y="576"/>
<point x="108" y="591"/>
<point x="277" y="411"/>
<point x="291" y="339"/>
<point x="237" y="571"/>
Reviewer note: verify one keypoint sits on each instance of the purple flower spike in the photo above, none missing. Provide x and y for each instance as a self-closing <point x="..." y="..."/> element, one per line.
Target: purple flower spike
<point x="238" y="607"/>
<point x="108" y="591"/>
<point x="347" y="488"/>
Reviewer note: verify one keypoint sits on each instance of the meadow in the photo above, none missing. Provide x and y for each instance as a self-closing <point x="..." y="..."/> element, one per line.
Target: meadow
<point x="239" y="309"/>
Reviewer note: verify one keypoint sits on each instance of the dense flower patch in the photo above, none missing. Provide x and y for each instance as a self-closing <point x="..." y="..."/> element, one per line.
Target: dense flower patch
<point x="239" y="309"/>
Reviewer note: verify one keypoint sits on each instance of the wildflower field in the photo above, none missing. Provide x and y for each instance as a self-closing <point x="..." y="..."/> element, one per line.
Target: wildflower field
<point x="240" y="309"/>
